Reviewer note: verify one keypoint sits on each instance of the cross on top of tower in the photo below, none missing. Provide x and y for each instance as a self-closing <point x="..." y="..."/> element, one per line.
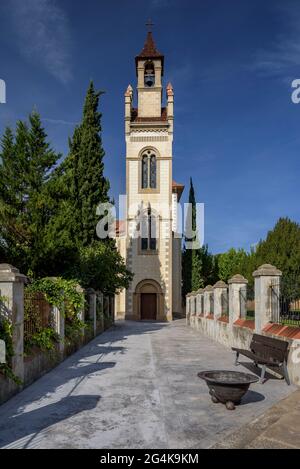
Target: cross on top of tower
<point x="149" y="25"/>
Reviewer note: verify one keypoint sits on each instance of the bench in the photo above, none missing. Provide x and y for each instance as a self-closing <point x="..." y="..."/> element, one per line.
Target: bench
<point x="267" y="352"/>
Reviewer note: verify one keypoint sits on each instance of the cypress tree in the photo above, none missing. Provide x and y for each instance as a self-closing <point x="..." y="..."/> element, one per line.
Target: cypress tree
<point x="85" y="164"/>
<point x="191" y="260"/>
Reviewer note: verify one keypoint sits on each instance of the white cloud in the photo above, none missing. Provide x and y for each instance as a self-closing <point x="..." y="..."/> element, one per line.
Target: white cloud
<point x="42" y="32"/>
<point x="58" y="121"/>
<point x="283" y="57"/>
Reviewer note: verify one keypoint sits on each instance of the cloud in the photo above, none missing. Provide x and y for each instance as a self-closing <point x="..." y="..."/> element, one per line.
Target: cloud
<point x="58" y="121"/>
<point x="283" y="57"/>
<point x="42" y="33"/>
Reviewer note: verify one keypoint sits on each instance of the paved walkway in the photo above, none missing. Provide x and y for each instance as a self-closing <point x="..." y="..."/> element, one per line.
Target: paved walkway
<point x="278" y="428"/>
<point x="135" y="386"/>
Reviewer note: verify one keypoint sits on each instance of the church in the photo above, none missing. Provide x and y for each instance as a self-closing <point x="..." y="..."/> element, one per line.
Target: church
<point x="148" y="238"/>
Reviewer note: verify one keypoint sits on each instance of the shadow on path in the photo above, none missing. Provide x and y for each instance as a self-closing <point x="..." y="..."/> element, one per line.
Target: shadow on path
<point x="33" y="422"/>
<point x="257" y="371"/>
<point x="252" y="396"/>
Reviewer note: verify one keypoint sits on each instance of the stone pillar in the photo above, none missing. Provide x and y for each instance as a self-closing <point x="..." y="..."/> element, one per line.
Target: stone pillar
<point x="208" y="300"/>
<point x="100" y="299"/>
<point x="191" y="308"/>
<point x="187" y="308"/>
<point x="12" y="290"/>
<point x="2" y="352"/>
<point x="266" y="300"/>
<point x="237" y="298"/>
<point x="220" y="299"/>
<point x="93" y="309"/>
<point x="199" y="302"/>
<point x="128" y="105"/>
<point x="79" y="289"/>
<point x="59" y="326"/>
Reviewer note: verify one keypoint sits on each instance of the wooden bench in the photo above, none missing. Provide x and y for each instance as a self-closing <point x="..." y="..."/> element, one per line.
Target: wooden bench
<point x="268" y="352"/>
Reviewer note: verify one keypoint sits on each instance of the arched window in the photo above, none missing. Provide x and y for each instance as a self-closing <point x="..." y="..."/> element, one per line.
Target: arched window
<point x="148" y="231"/>
<point x="149" y="172"/>
<point x="149" y="75"/>
<point x="145" y="172"/>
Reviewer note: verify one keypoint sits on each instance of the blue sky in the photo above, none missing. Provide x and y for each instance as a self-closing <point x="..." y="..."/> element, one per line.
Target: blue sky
<point x="231" y="64"/>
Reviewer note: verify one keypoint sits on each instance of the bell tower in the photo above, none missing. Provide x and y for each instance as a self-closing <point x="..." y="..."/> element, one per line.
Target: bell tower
<point x="148" y="244"/>
<point x="149" y="70"/>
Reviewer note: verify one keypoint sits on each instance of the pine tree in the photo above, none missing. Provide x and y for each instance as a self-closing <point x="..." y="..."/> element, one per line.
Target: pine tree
<point x="26" y="166"/>
<point x="13" y="229"/>
<point x="41" y="162"/>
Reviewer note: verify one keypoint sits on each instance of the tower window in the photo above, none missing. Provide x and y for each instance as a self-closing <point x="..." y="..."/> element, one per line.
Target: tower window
<point x="148" y="232"/>
<point x="149" y="172"/>
<point x="149" y="76"/>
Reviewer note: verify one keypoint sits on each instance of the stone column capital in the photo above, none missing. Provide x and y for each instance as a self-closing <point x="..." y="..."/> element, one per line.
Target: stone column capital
<point x="238" y="278"/>
<point x="220" y="284"/>
<point x="267" y="270"/>
<point x="9" y="273"/>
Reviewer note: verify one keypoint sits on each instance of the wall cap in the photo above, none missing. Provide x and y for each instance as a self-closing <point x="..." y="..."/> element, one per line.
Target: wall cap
<point x="220" y="284"/>
<point x="208" y="288"/>
<point x="9" y="273"/>
<point x="238" y="278"/>
<point x="199" y="291"/>
<point x="267" y="270"/>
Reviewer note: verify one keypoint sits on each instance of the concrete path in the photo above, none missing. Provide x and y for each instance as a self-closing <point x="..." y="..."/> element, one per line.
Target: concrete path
<point x="278" y="428"/>
<point x="135" y="386"/>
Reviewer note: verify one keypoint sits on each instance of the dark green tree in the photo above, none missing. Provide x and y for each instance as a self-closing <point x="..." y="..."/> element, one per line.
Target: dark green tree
<point x="282" y="249"/>
<point x="13" y="229"/>
<point x="27" y="161"/>
<point x="75" y="190"/>
<point x="191" y="260"/>
<point x="89" y="187"/>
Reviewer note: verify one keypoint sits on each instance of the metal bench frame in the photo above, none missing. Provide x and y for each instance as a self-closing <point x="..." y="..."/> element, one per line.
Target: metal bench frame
<point x="267" y="352"/>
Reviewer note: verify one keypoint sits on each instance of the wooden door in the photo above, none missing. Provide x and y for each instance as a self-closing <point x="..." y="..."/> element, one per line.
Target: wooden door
<point x="148" y="306"/>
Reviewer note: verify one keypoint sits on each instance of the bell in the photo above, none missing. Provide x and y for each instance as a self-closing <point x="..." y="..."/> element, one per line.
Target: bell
<point x="149" y="80"/>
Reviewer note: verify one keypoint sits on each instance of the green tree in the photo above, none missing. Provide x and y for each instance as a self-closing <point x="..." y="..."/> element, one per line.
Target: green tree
<point x="13" y="230"/>
<point x="231" y="262"/>
<point x="27" y="161"/>
<point x="100" y="266"/>
<point x="282" y="249"/>
<point x="74" y="192"/>
<point x="192" y="278"/>
<point x="85" y="165"/>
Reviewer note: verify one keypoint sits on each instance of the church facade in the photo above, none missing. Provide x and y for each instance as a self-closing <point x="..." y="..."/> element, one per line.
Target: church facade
<point x="147" y="238"/>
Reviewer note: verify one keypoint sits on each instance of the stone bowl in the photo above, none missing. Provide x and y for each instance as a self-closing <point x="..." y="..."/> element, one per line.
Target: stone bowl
<point x="227" y="387"/>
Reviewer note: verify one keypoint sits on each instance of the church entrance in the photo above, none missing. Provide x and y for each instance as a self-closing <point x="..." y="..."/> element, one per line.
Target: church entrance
<point x="148" y="301"/>
<point x="148" y="306"/>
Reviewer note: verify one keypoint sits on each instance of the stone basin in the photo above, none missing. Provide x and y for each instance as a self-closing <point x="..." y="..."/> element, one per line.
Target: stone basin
<point x="227" y="387"/>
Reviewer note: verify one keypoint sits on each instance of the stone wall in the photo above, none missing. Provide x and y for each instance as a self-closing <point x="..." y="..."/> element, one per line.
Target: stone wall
<point x="234" y="329"/>
<point x="30" y="368"/>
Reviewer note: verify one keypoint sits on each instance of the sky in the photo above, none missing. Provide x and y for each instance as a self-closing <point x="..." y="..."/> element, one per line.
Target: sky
<point x="231" y="63"/>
